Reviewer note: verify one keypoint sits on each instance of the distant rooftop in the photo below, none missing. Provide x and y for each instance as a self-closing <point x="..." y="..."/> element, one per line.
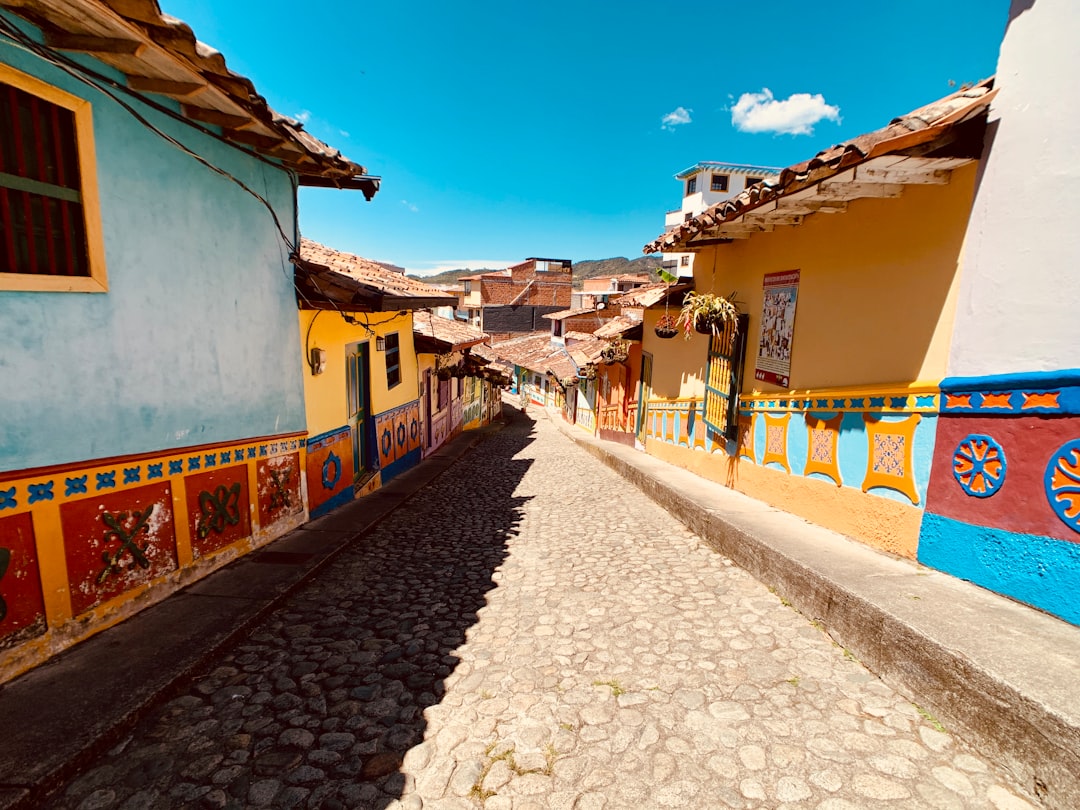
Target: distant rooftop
<point x="734" y="168"/>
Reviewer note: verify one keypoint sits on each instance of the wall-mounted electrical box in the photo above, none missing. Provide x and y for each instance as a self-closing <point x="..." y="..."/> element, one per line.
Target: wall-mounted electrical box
<point x="318" y="361"/>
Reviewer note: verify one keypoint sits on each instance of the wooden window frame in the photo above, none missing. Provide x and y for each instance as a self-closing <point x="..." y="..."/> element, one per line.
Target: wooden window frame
<point x="726" y="359"/>
<point x="97" y="280"/>
<point x="749" y="181"/>
<point x="393" y="366"/>
<point x="691" y="186"/>
<point x="720" y="182"/>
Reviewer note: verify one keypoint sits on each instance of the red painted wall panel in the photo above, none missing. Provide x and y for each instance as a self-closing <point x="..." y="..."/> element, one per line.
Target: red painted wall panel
<point x="218" y="508"/>
<point x="116" y="542"/>
<point x="22" y="609"/>
<point x="1020" y="505"/>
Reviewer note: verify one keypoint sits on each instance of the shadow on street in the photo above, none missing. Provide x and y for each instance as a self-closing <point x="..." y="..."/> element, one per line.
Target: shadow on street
<point x="318" y="705"/>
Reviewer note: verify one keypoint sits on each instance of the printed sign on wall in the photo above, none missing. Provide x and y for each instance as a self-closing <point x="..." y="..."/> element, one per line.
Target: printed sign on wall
<point x="777" y="327"/>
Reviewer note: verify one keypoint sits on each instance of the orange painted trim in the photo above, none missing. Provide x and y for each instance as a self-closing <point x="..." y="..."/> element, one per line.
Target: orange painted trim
<point x="889" y="455"/>
<point x="776" y="430"/>
<point x="823" y="434"/>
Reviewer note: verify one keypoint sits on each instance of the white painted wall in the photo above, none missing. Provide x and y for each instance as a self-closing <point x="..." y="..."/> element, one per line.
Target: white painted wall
<point x="1017" y="307"/>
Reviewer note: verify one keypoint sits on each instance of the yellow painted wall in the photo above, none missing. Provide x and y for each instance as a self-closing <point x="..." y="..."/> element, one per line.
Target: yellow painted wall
<point x="678" y="364"/>
<point x="877" y="291"/>
<point x="325" y="394"/>
<point x="876" y="304"/>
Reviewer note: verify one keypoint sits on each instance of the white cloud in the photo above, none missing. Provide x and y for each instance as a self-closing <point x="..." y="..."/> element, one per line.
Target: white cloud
<point x="410" y="206"/>
<point x="795" y="115"/>
<point x="477" y="265"/>
<point x="303" y="116"/>
<point x="677" y="117"/>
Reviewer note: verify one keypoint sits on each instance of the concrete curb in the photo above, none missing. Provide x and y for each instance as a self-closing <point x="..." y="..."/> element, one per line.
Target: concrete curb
<point x="1001" y="674"/>
<point x="57" y="718"/>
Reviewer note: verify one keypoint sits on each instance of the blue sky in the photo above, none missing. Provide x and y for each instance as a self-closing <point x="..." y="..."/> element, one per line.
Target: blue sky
<point x="507" y="130"/>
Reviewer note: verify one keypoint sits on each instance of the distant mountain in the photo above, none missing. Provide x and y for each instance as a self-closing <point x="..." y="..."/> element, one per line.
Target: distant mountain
<point x="590" y="268"/>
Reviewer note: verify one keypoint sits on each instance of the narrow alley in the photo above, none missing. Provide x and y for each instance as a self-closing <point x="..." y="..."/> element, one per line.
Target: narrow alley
<point x="531" y="632"/>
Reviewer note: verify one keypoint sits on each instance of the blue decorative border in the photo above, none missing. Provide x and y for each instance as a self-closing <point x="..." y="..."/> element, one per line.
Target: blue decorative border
<point x="1035" y="392"/>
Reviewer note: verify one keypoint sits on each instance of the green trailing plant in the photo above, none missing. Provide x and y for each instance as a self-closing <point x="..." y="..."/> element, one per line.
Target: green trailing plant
<point x="707" y="313"/>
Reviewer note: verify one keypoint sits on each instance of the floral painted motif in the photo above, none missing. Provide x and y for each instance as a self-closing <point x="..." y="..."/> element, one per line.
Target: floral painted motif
<point x="1062" y="481"/>
<point x="889" y="454"/>
<point x="775" y="439"/>
<point x="979" y="465"/>
<point x="821" y="446"/>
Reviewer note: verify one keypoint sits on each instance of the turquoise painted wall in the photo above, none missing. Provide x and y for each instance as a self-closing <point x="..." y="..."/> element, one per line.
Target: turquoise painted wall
<point x="196" y="340"/>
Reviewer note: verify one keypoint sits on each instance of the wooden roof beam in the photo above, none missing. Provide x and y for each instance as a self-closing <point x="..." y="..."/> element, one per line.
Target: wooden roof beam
<point x="165" y="87"/>
<point x="842" y="190"/>
<point x="217" y="117"/>
<point x="811" y="206"/>
<point x="94" y="45"/>
<point x="939" y="178"/>
<point x="772" y="218"/>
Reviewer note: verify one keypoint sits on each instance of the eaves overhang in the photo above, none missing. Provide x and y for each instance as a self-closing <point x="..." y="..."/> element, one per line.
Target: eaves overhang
<point x="922" y="147"/>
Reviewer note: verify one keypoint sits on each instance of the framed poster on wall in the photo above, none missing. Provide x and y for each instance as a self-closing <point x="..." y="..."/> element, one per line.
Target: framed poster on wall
<point x="777" y="327"/>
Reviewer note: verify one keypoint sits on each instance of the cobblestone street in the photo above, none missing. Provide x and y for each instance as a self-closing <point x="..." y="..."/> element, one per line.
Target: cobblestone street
<point x="531" y="632"/>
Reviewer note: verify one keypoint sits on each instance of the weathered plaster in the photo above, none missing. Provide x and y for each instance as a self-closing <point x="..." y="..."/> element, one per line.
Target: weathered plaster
<point x="195" y="340"/>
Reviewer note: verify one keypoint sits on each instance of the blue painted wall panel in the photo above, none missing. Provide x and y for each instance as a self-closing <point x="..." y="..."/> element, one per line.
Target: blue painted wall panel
<point x="197" y="338"/>
<point x="1040" y="571"/>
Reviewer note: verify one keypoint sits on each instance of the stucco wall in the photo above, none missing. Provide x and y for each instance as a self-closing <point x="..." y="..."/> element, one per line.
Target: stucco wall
<point x="1016" y="310"/>
<point x="875" y="305"/>
<point x="326" y="395"/>
<point x="195" y="340"/>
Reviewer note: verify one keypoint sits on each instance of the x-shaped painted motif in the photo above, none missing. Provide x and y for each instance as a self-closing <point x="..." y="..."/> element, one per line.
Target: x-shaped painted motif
<point x="127" y="541"/>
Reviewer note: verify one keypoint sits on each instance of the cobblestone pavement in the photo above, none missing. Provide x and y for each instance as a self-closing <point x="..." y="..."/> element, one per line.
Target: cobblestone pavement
<point x="531" y="633"/>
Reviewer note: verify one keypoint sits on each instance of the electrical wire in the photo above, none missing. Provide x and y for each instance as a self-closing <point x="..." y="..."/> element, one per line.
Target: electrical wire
<point x="105" y="85"/>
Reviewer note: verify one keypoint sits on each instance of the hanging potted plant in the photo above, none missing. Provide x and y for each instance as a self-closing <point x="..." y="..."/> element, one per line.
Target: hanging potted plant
<point x="707" y="313"/>
<point x="667" y="326"/>
<point x="616" y="351"/>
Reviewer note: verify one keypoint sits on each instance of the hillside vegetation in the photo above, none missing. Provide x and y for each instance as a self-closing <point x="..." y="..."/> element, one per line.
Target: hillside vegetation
<point x="590" y="268"/>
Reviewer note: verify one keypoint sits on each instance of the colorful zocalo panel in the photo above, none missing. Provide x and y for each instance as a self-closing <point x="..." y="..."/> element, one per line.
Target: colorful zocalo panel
<point x="118" y="541"/>
<point x="329" y="471"/>
<point x="218" y="512"/>
<point x="1003" y="505"/>
<point x="22" y="610"/>
<point x="398" y="434"/>
<point x="279" y="488"/>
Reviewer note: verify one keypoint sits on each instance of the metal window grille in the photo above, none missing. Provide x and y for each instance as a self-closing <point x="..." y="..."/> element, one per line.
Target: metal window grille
<point x="723" y="377"/>
<point x="41" y="213"/>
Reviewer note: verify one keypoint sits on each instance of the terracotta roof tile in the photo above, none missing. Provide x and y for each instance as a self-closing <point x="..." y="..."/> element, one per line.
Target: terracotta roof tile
<point x="652" y="294"/>
<point x="164" y="58"/>
<point x="333" y="279"/>
<point x="563" y="314"/>
<point x="450" y="335"/>
<point x="617" y="327"/>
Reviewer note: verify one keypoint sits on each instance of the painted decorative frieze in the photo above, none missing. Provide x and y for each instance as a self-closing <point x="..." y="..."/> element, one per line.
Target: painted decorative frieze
<point x="218" y="512"/>
<point x="1062" y="479"/>
<point x="398" y="435"/>
<point x="890" y="464"/>
<point x="979" y="465"/>
<point x="118" y="541"/>
<point x="776" y="440"/>
<point x="278" y="488"/>
<point x="22" y="609"/>
<point x="822" y="455"/>
<point x="329" y="470"/>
